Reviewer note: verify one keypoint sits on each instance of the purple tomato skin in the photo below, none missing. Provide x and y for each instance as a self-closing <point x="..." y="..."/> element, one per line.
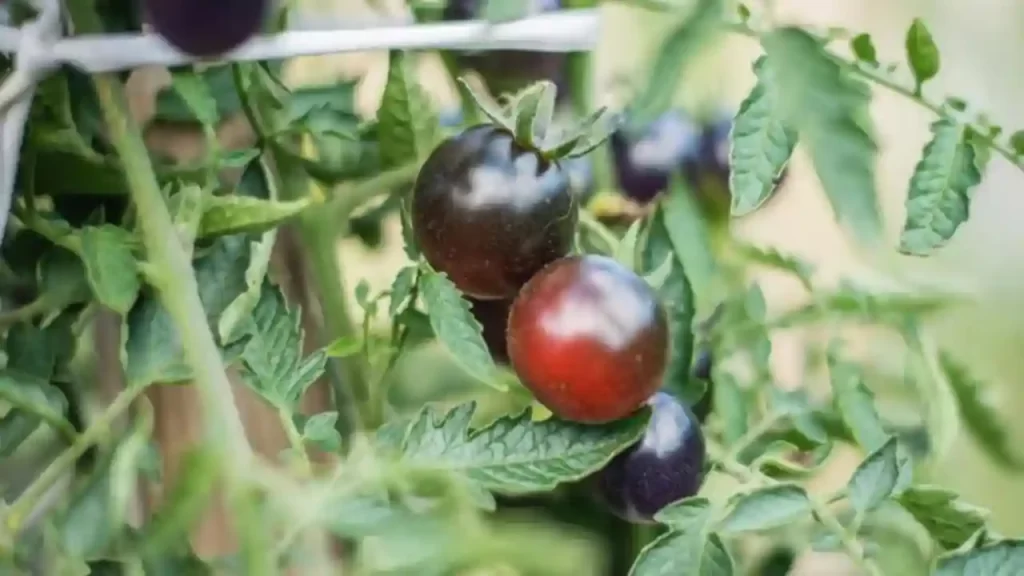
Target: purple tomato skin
<point x="507" y="71"/>
<point x="206" y="28"/>
<point x="589" y="339"/>
<point x="646" y="156"/>
<point x="493" y="318"/>
<point x="666" y="465"/>
<point x="490" y="213"/>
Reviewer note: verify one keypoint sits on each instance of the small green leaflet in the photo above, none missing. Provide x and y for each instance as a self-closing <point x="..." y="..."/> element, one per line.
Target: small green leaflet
<point x="321" y="431"/>
<point x="35" y="396"/>
<point x="196" y="94"/>
<point x="456" y="328"/>
<point x="949" y="520"/>
<point x="922" y="53"/>
<point x="235" y="214"/>
<point x="273" y="365"/>
<point x="407" y="123"/>
<point x="874" y="481"/>
<point x="981" y="417"/>
<point x="856" y="404"/>
<point x="830" y="111"/>
<point x="514" y="454"/>
<point x="760" y="144"/>
<point x="688" y="547"/>
<point x="690" y="233"/>
<point x="765" y="508"/>
<point x="864" y="49"/>
<point x="1004" y="558"/>
<point x="940" y="188"/>
<point x="110" y="266"/>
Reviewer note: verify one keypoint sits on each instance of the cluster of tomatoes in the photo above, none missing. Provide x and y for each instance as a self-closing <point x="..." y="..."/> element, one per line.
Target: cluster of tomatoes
<point x="586" y="335"/>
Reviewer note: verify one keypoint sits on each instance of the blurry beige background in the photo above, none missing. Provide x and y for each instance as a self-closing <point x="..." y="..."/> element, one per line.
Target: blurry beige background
<point x="978" y="40"/>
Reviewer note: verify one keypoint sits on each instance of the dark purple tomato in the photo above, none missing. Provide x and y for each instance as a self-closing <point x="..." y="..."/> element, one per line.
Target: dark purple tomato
<point x="589" y="338"/>
<point x="510" y="70"/>
<point x="490" y="213"/>
<point x="645" y="156"/>
<point x="206" y="28"/>
<point x="493" y="317"/>
<point x="666" y="465"/>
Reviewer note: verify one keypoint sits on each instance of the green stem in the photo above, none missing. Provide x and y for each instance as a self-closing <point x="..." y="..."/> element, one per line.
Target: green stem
<point x="848" y="538"/>
<point x="295" y="441"/>
<point x="910" y="93"/>
<point x="346" y="198"/>
<point x="26" y="313"/>
<point x="99" y="430"/>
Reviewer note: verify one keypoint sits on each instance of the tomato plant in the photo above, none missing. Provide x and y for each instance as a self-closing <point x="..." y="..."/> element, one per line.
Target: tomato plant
<point x="538" y="389"/>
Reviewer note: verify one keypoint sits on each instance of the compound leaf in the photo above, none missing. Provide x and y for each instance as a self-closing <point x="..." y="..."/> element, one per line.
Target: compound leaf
<point x="876" y="478"/>
<point x="110" y="267"/>
<point x="1004" y="558"/>
<point x="688" y="547"/>
<point x="948" y="519"/>
<point x="765" y="508"/>
<point x="407" y="123"/>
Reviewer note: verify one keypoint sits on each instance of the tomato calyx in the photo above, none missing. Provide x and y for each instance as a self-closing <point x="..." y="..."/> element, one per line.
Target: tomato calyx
<point x="529" y="116"/>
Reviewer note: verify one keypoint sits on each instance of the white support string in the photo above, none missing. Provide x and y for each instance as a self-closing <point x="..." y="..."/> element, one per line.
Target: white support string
<point x="39" y="49"/>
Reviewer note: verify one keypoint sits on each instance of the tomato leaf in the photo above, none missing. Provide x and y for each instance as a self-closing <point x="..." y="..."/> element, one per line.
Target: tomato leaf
<point x="677" y="298"/>
<point x="407" y="122"/>
<point x="1004" y="557"/>
<point x="864" y="49"/>
<point x="514" y="454"/>
<point x="110" y="266"/>
<point x="33" y="395"/>
<point x="272" y="362"/>
<point x="765" y="508"/>
<point x="922" y="53"/>
<point x="235" y="214"/>
<point x="193" y="90"/>
<point x="761" y="144"/>
<point x="856" y="404"/>
<point x="948" y="519"/>
<point x="457" y="329"/>
<point x="982" y="418"/>
<point x="688" y="547"/>
<point x="829" y="110"/>
<point x="875" y="479"/>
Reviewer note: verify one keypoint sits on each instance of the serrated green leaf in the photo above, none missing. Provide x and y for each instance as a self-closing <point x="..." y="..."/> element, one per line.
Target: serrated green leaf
<point x="232" y="214"/>
<point x="922" y="53"/>
<point x="171" y="107"/>
<point x="864" y="49"/>
<point x="35" y="396"/>
<point x="152" y="349"/>
<point x="407" y="122"/>
<point x="514" y="454"/>
<point x="829" y="109"/>
<point x="760" y="144"/>
<point x="875" y="478"/>
<point x="61" y="275"/>
<point x="948" y="519"/>
<point x="456" y="328"/>
<point x="677" y="298"/>
<point x="401" y="289"/>
<point x="110" y="266"/>
<point x="194" y="92"/>
<point x="186" y="207"/>
<point x="940" y="189"/>
<point x="344" y="346"/>
<point x="1004" y="558"/>
<point x="272" y="362"/>
<point x="856" y="405"/>
<point x="319" y="429"/>
<point x="765" y="508"/>
<point x="688" y="547"/>
<point x="983" y="419"/>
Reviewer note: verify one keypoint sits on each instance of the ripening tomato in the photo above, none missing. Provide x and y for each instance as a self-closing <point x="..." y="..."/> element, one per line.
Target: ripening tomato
<point x="589" y="338"/>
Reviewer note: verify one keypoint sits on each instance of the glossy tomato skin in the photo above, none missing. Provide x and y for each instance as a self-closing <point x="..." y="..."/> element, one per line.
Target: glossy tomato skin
<point x="589" y="338"/>
<point x="645" y="156"/>
<point x="491" y="213"/>
<point x="493" y="317"/>
<point x="510" y="70"/>
<point x="666" y="465"/>
<point x="206" y="28"/>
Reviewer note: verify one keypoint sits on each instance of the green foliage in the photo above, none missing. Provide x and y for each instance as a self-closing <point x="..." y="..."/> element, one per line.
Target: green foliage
<point x="180" y="254"/>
